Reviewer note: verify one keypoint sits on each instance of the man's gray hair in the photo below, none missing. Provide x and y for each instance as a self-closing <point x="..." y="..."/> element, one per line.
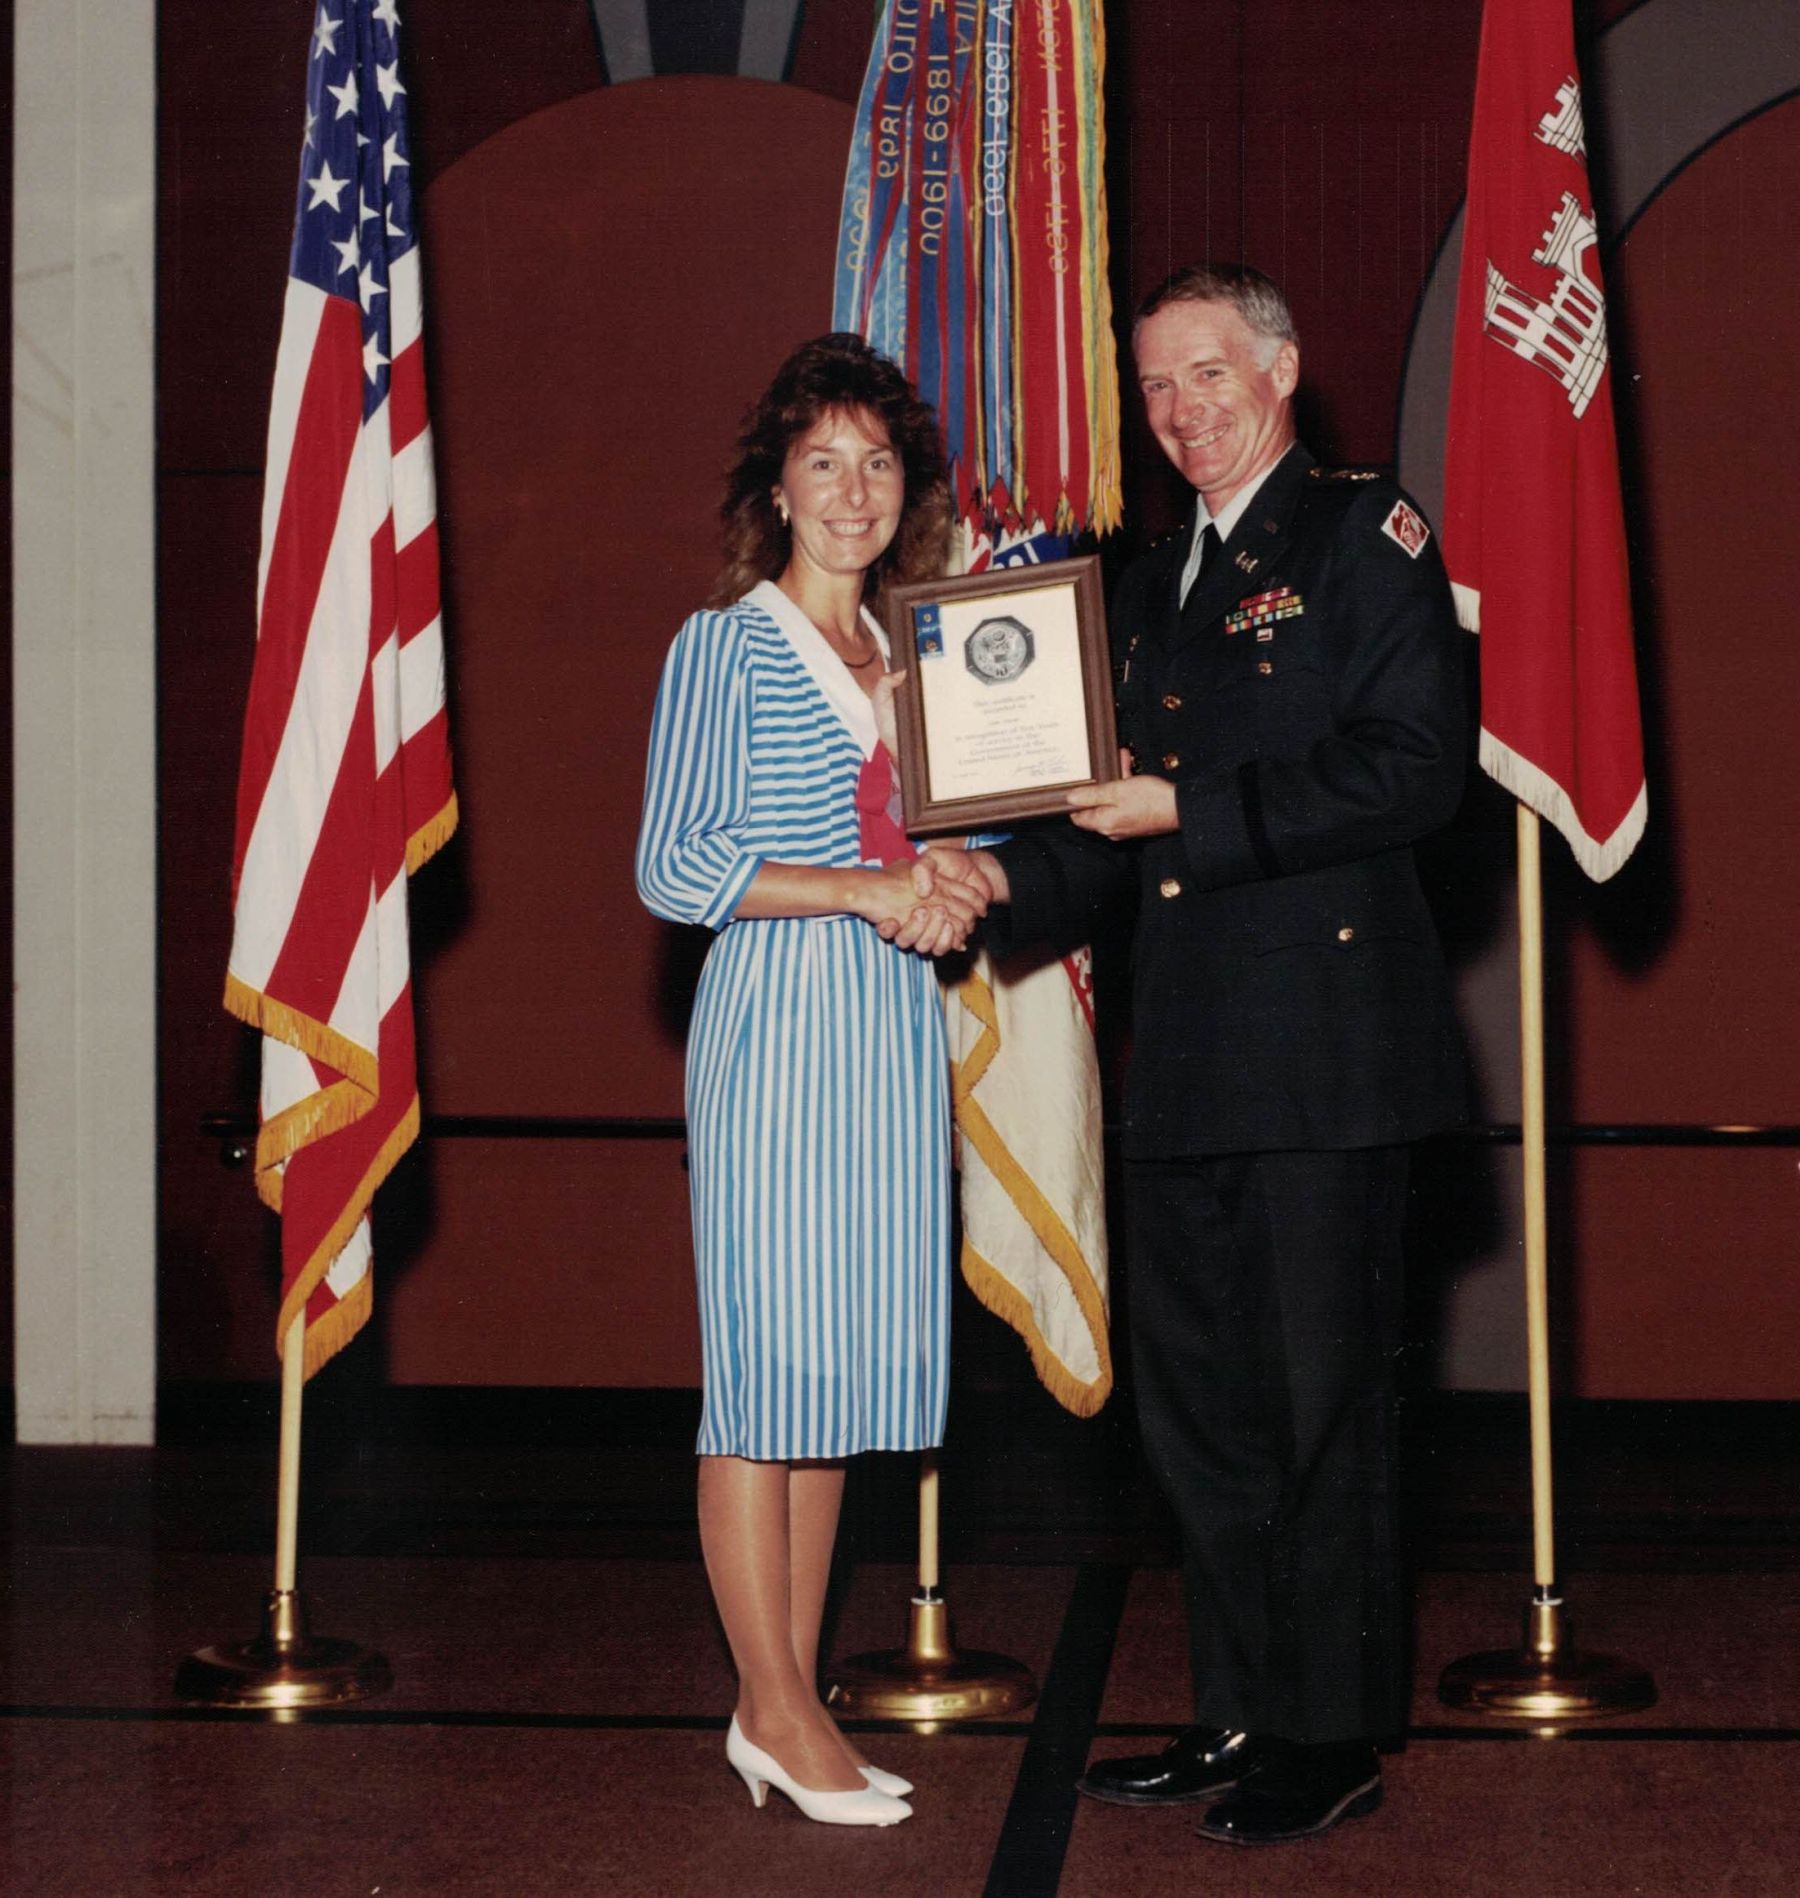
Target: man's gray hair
<point x="1255" y="298"/>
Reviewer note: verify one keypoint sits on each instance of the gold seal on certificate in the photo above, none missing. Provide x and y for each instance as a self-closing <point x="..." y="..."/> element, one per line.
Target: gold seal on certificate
<point x="1007" y="700"/>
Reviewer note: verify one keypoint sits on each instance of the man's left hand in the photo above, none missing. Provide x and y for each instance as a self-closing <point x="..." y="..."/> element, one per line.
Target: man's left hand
<point x="1131" y="807"/>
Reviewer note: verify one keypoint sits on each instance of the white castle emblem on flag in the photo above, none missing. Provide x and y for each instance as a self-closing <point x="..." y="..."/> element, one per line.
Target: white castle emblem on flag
<point x="1562" y="126"/>
<point x="1565" y="337"/>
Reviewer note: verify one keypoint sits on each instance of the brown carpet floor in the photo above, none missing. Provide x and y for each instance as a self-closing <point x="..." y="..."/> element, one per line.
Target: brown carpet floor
<point x="556" y="1724"/>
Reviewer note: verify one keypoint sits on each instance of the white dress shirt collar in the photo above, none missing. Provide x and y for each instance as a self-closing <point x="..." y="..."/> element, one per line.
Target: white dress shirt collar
<point x="1225" y="521"/>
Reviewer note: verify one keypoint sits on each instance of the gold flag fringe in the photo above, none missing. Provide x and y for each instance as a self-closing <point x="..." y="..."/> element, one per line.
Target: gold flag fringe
<point x="432" y="835"/>
<point x="334" y="1107"/>
<point x="329" y="1111"/>
<point x="1002" y="1298"/>
<point x="996" y="1292"/>
<point x="328" y="1335"/>
<point x="281" y="1022"/>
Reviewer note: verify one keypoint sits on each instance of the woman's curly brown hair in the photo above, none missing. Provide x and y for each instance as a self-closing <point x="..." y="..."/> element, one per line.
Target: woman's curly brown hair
<point x="831" y="373"/>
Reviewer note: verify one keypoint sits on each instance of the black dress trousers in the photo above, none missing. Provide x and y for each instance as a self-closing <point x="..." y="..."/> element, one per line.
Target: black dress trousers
<point x="1266" y="1315"/>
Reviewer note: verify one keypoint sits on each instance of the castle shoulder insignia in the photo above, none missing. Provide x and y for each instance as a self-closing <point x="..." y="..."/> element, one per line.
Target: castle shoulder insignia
<point x="1404" y="527"/>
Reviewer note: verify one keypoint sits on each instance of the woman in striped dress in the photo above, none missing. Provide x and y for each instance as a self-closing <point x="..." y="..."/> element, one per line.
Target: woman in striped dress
<point x="817" y="1081"/>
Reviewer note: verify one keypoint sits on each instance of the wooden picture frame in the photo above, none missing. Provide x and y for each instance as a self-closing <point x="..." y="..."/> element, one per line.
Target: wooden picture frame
<point x="1007" y="702"/>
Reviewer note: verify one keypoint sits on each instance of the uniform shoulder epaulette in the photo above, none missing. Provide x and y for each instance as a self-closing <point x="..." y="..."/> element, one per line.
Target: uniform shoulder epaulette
<point x="1163" y="539"/>
<point x="1345" y="474"/>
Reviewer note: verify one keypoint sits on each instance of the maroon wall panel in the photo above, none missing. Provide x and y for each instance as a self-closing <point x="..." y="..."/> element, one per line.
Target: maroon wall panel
<point x="230" y="93"/>
<point x="219" y="1276"/>
<point x="611" y="274"/>
<point x="1682" y="1001"/>
<point x="1707" y="287"/>
<point x="6" y="708"/>
<point x="541" y="1262"/>
<point x="831" y="49"/>
<point x="231" y="86"/>
<point x="230" y="90"/>
<point x="1323" y="141"/>
<point x="1684" y="1283"/>
<point x="475" y="68"/>
<point x="585" y="415"/>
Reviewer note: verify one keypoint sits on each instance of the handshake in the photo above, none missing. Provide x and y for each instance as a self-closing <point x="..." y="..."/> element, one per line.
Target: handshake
<point x="931" y="903"/>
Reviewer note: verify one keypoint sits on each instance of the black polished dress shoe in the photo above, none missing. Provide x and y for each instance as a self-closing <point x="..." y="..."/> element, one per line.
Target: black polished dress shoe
<point x="1294" y="1792"/>
<point x="1198" y="1763"/>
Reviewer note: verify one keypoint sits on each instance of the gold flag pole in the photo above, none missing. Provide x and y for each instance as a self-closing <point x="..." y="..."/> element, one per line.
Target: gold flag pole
<point x="928" y="1682"/>
<point x="1548" y="1679"/>
<point x="285" y="1668"/>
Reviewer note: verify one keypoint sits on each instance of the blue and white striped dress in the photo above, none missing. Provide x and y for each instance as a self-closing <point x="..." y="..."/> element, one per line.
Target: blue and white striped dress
<point x="817" y="1080"/>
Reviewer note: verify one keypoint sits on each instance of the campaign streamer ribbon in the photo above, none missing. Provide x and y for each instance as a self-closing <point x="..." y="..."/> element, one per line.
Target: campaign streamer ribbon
<point x="973" y="251"/>
<point x="992" y="175"/>
<point x="973" y="248"/>
<point x="1104" y="497"/>
<point x="933" y="154"/>
<point x="855" y="238"/>
<point x="1051" y="362"/>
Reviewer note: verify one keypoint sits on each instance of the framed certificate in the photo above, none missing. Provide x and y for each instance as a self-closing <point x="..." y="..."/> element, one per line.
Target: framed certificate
<point x="1007" y="701"/>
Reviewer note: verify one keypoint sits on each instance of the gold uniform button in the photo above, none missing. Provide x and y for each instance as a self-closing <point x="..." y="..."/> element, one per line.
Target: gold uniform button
<point x="1171" y="703"/>
<point x="1346" y="934"/>
<point x="1265" y="667"/>
<point x="1170" y="886"/>
<point x="1171" y="760"/>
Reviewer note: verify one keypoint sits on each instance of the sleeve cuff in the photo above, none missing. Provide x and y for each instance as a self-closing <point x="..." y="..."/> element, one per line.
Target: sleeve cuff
<point x="1036" y="897"/>
<point x="730" y="892"/>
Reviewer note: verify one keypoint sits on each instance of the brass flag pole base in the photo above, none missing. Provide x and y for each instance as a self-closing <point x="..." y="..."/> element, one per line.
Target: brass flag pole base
<point x="284" y="1669"/>
<point x="1548" y="1680"/>
<point x="928" y="1682"/>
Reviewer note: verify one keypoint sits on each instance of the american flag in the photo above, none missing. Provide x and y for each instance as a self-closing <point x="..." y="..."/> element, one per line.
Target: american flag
<point x="344" y="786"/>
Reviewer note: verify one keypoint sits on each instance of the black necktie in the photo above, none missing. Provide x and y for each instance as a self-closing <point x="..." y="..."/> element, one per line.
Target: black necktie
<point x="1209" y="547"/>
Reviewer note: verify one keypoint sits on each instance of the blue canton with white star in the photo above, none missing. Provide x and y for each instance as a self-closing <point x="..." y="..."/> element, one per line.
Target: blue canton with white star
<point x="354" y="214"/>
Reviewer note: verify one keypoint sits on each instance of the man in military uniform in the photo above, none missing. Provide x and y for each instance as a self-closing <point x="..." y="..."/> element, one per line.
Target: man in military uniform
<point x="1290" y="689"/>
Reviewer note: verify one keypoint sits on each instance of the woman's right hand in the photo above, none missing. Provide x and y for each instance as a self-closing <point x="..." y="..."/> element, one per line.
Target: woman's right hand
<point x="913" y="907"/>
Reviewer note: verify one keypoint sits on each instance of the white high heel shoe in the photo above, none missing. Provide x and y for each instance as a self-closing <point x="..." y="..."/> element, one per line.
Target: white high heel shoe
<point x="859" y="1806"/>
<point x="890" y="1783"/>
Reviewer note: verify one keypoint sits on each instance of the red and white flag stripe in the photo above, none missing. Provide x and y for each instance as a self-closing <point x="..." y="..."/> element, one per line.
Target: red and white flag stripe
<point x="344" y="787"/>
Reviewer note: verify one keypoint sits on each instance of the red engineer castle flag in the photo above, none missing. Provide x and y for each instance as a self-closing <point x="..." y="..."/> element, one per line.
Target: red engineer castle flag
<point x="344" y="786"/>
<point x="1533" y="533"/>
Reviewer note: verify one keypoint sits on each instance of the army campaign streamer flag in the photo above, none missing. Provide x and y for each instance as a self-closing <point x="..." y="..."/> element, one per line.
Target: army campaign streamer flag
<point x="1533" y="534"/>
<point x="972" y="250"/>
<point x="344" y="785"/>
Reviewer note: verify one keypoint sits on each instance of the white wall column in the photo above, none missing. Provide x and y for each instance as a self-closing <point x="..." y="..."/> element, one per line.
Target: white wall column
<point x="84" y="715"/>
